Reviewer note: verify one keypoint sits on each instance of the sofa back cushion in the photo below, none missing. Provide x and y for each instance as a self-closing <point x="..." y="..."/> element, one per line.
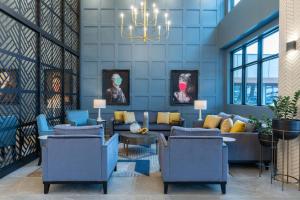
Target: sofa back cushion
<point x="129" y="117"/>
<point x="79" y="130"/>
<point x="181" y="131"/>
<point x="249" y="127"/>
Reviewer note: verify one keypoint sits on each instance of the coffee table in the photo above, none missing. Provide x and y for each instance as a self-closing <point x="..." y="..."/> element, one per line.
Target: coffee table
<point x="126" y="137"/>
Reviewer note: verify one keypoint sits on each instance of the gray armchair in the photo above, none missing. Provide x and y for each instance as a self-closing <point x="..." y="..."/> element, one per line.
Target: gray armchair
<point x="79" y="158"/>
<point x="201" y="159"/>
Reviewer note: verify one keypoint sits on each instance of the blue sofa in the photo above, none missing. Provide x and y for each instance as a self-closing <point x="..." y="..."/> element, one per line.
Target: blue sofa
<point x="79" y="118"/>
<point x="79" y="155"/>
<point x="8" y="132"/>
<point x="193" y="157"/>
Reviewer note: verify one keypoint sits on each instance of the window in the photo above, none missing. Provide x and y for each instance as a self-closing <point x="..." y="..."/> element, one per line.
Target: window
<point x="254" y="70"/>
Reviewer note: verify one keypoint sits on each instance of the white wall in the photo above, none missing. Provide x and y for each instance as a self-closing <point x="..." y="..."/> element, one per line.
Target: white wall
<point x="289" y="71"/>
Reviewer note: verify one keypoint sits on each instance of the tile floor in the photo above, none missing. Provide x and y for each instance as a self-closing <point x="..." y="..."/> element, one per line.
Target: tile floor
<point x="244" y="184"/>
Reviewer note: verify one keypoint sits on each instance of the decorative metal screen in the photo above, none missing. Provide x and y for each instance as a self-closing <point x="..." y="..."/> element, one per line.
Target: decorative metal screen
<point x="39" y="72"/>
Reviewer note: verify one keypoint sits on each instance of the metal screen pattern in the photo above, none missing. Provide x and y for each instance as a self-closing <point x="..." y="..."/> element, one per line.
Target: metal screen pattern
<point x="39" y="72"/>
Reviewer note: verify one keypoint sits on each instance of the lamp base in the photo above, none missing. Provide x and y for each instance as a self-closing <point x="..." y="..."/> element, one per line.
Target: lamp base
<point x="99" y="119"/>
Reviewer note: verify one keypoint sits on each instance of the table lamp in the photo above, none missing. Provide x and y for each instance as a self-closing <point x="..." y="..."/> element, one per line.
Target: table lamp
<point x="99" y="103"/>
<point x="200" y="105"/>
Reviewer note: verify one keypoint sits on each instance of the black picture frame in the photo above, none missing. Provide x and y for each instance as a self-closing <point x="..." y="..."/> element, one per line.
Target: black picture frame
<point x="9" y="85"/>
<point x="190" y="77"/>
<point x="108" y="88"/>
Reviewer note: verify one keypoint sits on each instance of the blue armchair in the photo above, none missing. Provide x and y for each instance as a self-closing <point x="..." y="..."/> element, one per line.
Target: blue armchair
<point x="74" y="158"/>
<point x="8" y="132"/>
<point x="80" y="118"/>
<point x="187" y="158"/>
<point x="43" y="127"/>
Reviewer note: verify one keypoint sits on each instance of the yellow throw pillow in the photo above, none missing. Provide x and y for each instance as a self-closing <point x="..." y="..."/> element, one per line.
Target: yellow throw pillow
<point x="163" y="118"/>
<point x="226" y="125"/>
<point x="119" y="116"/>
<point x="129" y="117"/>
<point x="238" y="127"/>
<point x="212" y="121"/>
<point x="174" y="118"/>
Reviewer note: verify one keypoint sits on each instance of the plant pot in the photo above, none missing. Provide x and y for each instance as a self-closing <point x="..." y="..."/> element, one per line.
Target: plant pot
<point x="290" y="128"/>
<point x="266" y="140"/>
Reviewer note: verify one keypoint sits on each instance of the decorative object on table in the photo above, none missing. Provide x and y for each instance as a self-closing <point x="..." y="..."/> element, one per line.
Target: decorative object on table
<point x="200" y="105"/>
<point x="146" y="18"/>
<point x="135" y="127"/>
<point x="143" y="130"/>
<point x="99" y="103"/>
<point x="9" y="80"/>
<point x="184" y="87"/>
<point x="286" y="127"/>
<point x="146" y="120"/>
<point x="285" y="109"/>
<point x="115" y="87"/>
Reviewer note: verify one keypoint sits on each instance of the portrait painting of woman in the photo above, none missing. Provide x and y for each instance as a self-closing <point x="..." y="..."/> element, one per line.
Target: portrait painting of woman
<point x="184" y="86"/>
<point x="115" y="87"/>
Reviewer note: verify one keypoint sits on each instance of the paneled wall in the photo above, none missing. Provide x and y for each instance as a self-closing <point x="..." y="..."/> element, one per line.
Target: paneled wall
<point x="39" y="71"/>
<point x="191" y="45"/>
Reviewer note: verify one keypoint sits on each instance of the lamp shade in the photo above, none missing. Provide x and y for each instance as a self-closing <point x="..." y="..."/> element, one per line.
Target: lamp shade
<point x="99" y="103"/>
<point x="200" y="104"/>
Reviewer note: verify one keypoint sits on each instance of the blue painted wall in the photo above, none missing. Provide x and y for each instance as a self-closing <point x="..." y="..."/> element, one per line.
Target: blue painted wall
<point x="192" y="45"/>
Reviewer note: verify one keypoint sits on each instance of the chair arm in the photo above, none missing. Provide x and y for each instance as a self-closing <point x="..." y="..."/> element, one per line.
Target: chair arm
<point x="110" y="155"/>
<point x="47" y="132"/>
<point x="162" y="140"/>
<point x="92" y="121"/>
<point x="225" y="162"/>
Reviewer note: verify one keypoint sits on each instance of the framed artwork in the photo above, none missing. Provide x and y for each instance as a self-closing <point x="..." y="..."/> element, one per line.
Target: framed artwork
<point x="9" y="81"/>
<point x="184" y="87"/>
<point x="115" y="87"/>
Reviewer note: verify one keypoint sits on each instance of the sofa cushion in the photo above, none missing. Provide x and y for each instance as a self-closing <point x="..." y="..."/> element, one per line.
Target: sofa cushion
<point x="119" y="116"/>
<point x="226" y="125"/>
<point x="238" y="127"/>
<point x="181" y="131"/>
<point x="163" y="118"/>
<point x="249" y="126"/>
<point x="78" y="130"/>
<point x="225" y="115"/>
<point x="159" y="127"/>
<point x="129" y="117"/>
<point x="212" y="121"/>
<point x="174" y="118"/>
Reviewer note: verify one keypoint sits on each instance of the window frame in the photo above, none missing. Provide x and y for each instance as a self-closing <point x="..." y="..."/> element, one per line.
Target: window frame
<point x="260" y="60"/>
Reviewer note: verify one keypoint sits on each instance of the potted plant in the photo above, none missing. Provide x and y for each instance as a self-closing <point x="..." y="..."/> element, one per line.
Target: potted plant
<point x="285" y="110"/>
<point x="264" y="129"/>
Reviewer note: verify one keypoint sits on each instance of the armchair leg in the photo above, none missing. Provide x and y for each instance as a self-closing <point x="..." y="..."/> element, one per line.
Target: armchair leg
<point x="46" y="188"/>
<point x="105" y="187"/>
<point x="116" y="168"/>
<point x="166" y="188"/>
<point x="223" y="188"/>
<point x="40" y="161"/>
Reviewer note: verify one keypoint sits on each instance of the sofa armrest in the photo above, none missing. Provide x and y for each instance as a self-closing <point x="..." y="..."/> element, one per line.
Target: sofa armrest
<point x="110" y="155"/>
<point x="225" y="162"/>
<point x="162" y="140"/>
<point x="92" y="121"/>
<point x="163" y="156"/>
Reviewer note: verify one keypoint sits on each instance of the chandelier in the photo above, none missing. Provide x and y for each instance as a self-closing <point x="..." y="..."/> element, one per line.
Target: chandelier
<point x="144" y="23"/>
